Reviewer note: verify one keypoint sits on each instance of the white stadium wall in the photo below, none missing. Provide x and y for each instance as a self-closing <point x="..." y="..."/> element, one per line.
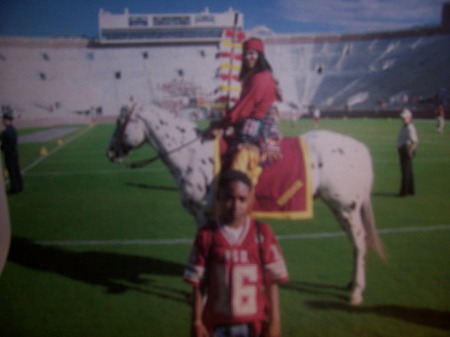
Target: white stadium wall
<point x="76" y="79"/>
<point x="43" y="78"/>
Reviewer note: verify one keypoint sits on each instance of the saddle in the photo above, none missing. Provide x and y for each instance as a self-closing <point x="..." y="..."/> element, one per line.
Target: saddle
<point x="283" y="190"/>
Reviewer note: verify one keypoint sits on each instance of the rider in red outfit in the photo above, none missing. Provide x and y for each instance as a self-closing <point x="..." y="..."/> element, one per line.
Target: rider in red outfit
<point x="253" y="116"/>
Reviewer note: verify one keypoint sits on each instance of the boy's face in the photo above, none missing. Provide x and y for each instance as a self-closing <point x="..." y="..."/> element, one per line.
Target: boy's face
<point x="236" y="202"/>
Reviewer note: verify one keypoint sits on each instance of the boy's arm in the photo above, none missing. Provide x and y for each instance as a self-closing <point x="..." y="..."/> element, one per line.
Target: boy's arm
<point x="197" y="311"/>
<point x="274" y="328"/>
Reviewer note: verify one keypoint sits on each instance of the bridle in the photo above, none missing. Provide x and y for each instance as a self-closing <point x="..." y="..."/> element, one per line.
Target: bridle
<point x="144" y="162"/>
<point x="124" y="125"/>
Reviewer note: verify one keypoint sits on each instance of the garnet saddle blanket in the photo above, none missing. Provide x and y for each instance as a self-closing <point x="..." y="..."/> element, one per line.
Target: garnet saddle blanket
<point x="284" y="187"/>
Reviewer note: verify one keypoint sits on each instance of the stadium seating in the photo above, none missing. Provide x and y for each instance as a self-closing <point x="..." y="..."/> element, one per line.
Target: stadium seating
<point x="48" y="78"/>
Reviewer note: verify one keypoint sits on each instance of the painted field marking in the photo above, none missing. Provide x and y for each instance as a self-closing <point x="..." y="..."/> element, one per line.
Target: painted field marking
<point x="428" y="160"/>
<point x="94" y="172"/>
<point x="159" y="169"/>
<point x="54" y="150"/>
<point x="184" y="241"/>
<point x="46" y="135"/>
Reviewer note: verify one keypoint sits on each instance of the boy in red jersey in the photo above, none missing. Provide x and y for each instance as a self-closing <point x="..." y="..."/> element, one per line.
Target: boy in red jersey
<point x="236" y="264"/>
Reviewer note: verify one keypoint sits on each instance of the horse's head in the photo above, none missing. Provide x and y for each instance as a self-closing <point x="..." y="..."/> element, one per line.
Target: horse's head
<point x="129" y="134"/>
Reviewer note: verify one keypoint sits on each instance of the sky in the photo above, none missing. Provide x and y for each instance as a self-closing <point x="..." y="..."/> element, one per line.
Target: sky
<point x="46" y="18"/>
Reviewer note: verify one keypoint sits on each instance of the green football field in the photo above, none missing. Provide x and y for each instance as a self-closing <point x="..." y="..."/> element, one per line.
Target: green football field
<point x="98" y="249"/>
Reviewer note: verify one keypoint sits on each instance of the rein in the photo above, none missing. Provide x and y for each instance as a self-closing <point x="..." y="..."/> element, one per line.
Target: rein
<point x="144" y="162"/>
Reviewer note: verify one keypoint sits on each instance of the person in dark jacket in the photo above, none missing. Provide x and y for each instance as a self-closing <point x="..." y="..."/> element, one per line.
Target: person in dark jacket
<point x="8" y="140"/>
<point x="407" y="141"/>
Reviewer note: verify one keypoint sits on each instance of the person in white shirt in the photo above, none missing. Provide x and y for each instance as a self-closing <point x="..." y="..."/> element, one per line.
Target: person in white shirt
<point x="407" y="141"/>
<point x="316" y="117"/>
<point x="440" y="118"/>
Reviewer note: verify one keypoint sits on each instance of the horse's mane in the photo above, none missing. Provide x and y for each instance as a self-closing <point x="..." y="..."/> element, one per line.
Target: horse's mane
<point x="168" y="119"/>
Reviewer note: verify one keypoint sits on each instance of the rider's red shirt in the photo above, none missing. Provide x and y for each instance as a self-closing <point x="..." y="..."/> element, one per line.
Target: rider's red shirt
<point x="258" y="94"/>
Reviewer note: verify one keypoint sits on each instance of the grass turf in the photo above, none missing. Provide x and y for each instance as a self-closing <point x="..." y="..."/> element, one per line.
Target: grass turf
<point x="117" y="289"/>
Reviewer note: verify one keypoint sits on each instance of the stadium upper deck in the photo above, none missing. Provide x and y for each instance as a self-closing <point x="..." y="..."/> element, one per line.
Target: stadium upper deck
<point x="166" y="28"/>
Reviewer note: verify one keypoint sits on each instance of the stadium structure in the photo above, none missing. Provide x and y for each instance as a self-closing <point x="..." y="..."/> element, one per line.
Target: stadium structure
<point x="175" y="60"/>
<point x="129" y="28"/>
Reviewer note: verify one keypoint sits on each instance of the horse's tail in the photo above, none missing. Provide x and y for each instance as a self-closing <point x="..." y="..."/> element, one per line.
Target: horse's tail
<point x="372" y="236"/>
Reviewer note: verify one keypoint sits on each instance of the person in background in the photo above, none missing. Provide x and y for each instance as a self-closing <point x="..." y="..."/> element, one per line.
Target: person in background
<point x="254" y="115"/>
<point x="8" y="139"/>
<point x="440" y="118"/>
<point x="316" y="117"/>
<point x="235" y="267"/>
<point x="407" y="141"/>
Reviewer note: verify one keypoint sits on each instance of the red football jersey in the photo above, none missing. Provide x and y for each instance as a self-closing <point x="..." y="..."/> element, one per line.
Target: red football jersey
<point x="231" y="270"/>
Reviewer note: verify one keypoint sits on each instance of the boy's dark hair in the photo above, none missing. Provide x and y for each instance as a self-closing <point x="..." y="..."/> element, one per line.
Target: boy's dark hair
<point x="230" y="176"/>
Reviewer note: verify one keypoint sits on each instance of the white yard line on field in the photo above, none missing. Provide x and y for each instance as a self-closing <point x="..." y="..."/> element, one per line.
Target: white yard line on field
<point x="94" y="172"/>
<point x="429" y="160"/>
<point x="54" y="150"/>
<point x="184" y="241"/>
<point x="161" y="169"/>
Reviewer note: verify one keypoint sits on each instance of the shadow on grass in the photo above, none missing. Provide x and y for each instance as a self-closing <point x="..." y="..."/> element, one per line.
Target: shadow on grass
<point x="310" y="288"/>
<point x="153" y="187"/>
<point x="117" y="273"/>
<point x="384" y="195"/>
<point x="425" y="317"/>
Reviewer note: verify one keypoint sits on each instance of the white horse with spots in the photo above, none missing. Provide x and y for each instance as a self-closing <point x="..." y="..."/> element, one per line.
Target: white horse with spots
<point x="341" y="172"/>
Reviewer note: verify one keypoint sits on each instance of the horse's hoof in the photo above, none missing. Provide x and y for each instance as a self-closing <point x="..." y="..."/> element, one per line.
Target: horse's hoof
<point x="356" y="300"/>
